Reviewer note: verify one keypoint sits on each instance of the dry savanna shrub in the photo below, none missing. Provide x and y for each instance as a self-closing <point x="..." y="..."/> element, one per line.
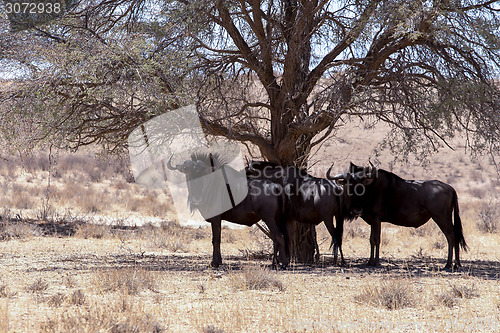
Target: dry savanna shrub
<point x="212" y="329"/>
<point x="446" y="299"/>
<point x="130" y="281"/>
<point x="172" y="236"/>
<point x="148" y="204"/>
<point x="450" y="297"/>
<point x="94" y="201"/>
<point x="14" y="229"/>
<point x="22" y="198"/>
<point x="489" y="218"/>
<point x="77" y="297"/>
<point x="103" y="318"/>
<point x="354" y="229"/>
<point x="256" y="278"/>
<point x="69" y="281"/>
<point x="427" y="230"/>
<point x="257" y="246"/>
<point x="464" y="290"/>
<point x="478" y="192"/>
<point x="392" y="295"/>
<point x="5" y="291"/>
<point x="93" y="230"/>
<point x="38" y="286"/>
<point x="56" y="300"/>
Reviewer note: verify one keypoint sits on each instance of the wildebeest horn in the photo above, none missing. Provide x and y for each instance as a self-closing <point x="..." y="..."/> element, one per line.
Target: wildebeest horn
<point x="169" y="163"/>
<point x="371" y="164"/>
<point x="339" y="176"/>
<point x="250" y="167"/>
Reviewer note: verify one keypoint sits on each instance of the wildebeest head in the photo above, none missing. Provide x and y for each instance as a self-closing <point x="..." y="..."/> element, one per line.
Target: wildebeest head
<point x="194" y="169"/>
<point x="356" y="182"/>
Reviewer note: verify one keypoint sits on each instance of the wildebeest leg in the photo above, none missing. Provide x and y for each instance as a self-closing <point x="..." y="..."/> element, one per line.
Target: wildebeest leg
<point x="216" y="231"/>
<point x="339" y="232"/>
<point x="457" y="255"/>
<point x="278" y="242"/>
<point x="374" y="243"/>
<point x="447" y="228"/>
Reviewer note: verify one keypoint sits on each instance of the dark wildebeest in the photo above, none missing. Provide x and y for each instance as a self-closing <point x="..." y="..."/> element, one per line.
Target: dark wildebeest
<point x="310" y="199"/>
<point x="408" y="203"/>
<point x="264" y="201"/>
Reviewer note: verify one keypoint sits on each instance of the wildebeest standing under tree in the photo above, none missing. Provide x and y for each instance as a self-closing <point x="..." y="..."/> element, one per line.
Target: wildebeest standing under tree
<point x="264" y="201"/>
<point x="310" y="200"/>
<point x="407" y="203"/>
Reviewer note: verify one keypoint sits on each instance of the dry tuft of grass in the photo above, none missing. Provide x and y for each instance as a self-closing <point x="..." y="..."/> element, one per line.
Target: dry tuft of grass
<point x="392" y="295"/>
<point x="464" y="291"/>
<point x="16" y="230"/>
<point x="103" y="318"/>
<point x="130" y="281"/>
<point x="78" y="297"/>
<point x="5" y="291"/>
<point x="489" y="217"/>
<point x="70" y="281"/>
<point x="172" y="236"/>
<point x="93" y="230"/>
<point x="38" y="286"/>
<point x="56" y="300"/>
<point x="257" y="278"/>
<point x="449" y="298"/>
<point x="212" y="329"/>
<point x="446" y="299"/>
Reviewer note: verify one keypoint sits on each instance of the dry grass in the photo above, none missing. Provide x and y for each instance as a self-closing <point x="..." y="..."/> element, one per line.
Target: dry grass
<point x="112" y="277"/>
<point x="5" y="291"/>
<point x="393" y="295"/>
<point x="38" y="286"/>
<point x="464" y="290"/>
<point x="489" y="217"/>
<point x="4" y="317"/>
<point x="93" y="230"/>
<point x="130" y="281"/>
<point x="256" y="278"/>
<point x="78" y="297"/>
<point x="113" y="318"/>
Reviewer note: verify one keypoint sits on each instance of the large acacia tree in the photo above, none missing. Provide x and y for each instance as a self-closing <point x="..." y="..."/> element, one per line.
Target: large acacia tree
<point x="279" y="75"/>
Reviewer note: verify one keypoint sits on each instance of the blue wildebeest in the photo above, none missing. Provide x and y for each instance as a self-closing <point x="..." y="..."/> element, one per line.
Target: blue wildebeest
<point x="407" y="203"/>
<point x="310" y="199"/>
<point x="264" y="201"/>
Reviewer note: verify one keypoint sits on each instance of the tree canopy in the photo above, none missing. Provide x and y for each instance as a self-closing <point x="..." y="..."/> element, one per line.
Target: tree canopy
<point x="281" y="75"/>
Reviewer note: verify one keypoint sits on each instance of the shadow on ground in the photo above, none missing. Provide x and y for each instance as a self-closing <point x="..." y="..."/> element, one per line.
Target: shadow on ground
<point x="411" y="267"/>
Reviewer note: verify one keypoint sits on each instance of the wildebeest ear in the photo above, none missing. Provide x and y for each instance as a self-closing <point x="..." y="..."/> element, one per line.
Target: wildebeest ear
<point x="353" y="167"/>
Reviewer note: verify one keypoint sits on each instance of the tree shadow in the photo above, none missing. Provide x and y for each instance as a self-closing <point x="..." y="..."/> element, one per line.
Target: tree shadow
<point x="405" y="267"/>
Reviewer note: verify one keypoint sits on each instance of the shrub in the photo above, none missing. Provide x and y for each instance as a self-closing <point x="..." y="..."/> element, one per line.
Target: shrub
<point x="78" y="297"/>
<point x="38" y="286"/>
<point x="257" y="278"/>
<point x="393" y="295"/>
<point x="129" y="280"/>
<point x="464" y="291"/>
<point x="488" y="218"/>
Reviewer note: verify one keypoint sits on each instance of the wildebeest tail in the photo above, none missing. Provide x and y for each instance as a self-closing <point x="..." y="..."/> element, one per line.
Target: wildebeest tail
<point x="457" y="225"/>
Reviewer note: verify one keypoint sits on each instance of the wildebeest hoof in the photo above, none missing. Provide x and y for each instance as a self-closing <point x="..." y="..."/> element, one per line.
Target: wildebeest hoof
<point x="216" y="264"/>
<point x="447" y="268"/>
<point x="372" y="263"/>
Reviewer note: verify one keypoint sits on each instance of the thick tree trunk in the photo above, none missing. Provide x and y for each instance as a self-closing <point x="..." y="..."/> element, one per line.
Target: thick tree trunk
<point x="303" y="243"/>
